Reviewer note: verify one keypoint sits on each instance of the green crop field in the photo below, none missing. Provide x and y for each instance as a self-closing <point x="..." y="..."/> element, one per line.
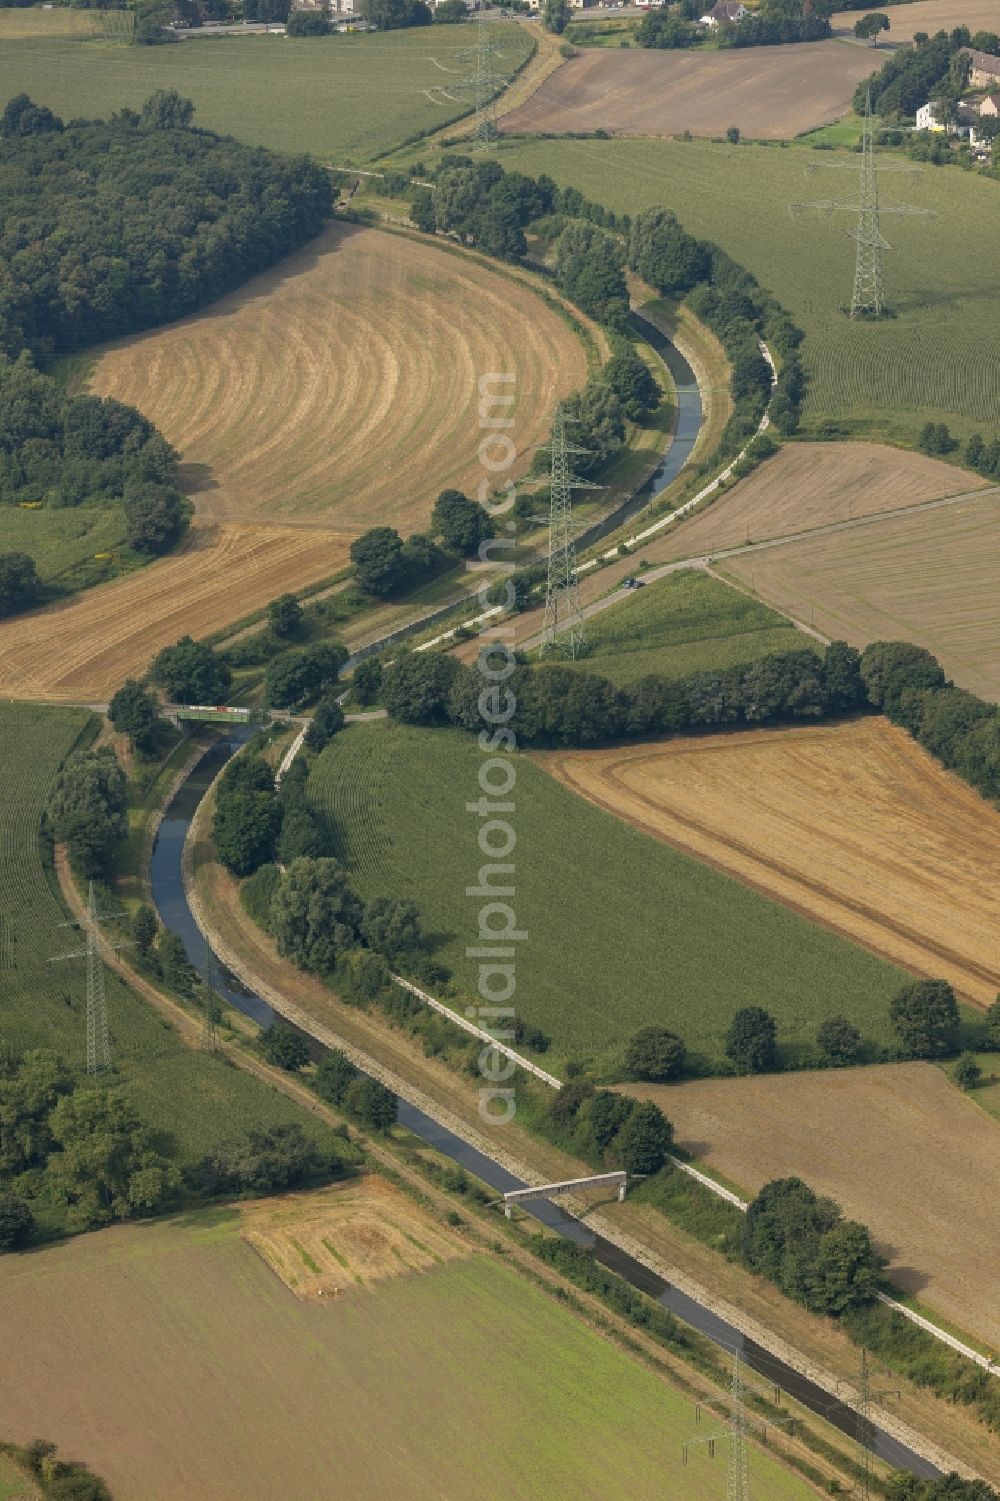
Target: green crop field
<point x="937" y="358"/>
<point x="341" y="98"/>
<point x="685" y="622"/>
<point x="191" y="1097"/>
<point x="470" y="1380"/>
<point x="622" y="930"/>
<point x="65" y="543"/>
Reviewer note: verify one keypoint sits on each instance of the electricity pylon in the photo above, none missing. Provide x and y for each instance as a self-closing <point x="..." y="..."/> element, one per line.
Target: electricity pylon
<point x="864" y="1431"/>
<point x="213" y="1010"/>
<point x="868" y="298"/>
<point x="563" y="631"/>
<point x="98" y="1040"/>
<point x="484" y="85"/>
<point x="739" y="1427"/>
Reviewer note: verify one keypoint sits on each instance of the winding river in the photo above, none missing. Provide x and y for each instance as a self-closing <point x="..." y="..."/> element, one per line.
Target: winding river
<point x="175" y="913"/>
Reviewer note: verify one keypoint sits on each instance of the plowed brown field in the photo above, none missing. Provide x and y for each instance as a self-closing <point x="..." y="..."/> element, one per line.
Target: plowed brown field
<point x="807" y="485"/>
<point x="897" y="1146"/>
<point x="767" y="91"/>
<point x="852" y="824"/>
<point x="86" y="647"/>
<point x="341" y="388"/>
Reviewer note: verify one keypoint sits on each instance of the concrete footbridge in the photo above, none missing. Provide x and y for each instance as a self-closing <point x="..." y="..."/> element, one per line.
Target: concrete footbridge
<point x="546" y="1190"/>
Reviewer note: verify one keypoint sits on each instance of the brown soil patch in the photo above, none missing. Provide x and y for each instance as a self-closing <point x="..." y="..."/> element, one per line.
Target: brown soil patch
<point x="928" y="577"/>
<point x="767" y="91"/>
<point x="925" y="15"/>
<point x="341" y="389"/>
<point x="86" y="647"/>
<point x="898" y="1147"/>
<point x="807" y="485"/>
<point x="852" y="824"/>
<point x="351" y="1235"/>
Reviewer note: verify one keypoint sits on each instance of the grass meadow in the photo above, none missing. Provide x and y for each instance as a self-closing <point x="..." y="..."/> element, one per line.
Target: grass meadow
<point x="460" y="1380"/>
<point x="192" y="1099"/>
<point x="69" y="546"/>
<point x="343" y="99"/>
<point x="936" y="359"/>
<point x="623" y="930"/>
<point x="686" y="622"/>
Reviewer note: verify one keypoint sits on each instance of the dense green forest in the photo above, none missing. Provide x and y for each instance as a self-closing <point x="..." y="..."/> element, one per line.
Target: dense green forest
<point x="107" y="227"/>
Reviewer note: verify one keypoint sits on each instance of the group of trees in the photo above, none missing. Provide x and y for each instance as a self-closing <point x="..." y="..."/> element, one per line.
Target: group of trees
<point x="906" y="1487"/>
<point x="255" y="822"/>
<point x="385" y="565"/>
<point x="297" y="678"/>
<point x="87" y="809"/>
<point x="779" y="21"/>
<point x="339" y="1083"/>
<point x="608" y="1129"/>
<point x="982" y="456"/>
<point x="70" y="1143"/>
<point x="909" y="686"/>
<point x="803" y="1244"/>
<point x="111" y="226"/>
<point x="268" y="1160"/>
<point x="190" y="672"/>
<point x="590" y="269"/>
<point x="933" y="68"/>
<point x="552" y="705"/>
<point x="20" y="586"/>
<point x="58" y="1479"/>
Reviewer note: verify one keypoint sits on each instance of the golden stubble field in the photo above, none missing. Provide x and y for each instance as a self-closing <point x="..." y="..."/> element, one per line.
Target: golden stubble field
<point x="928" y="577"/>
<point x="807" y="485"/>
<point x="853" y="825"/>
<point x="341" y="389"/>
<point x="925" y="15"/>
<point x="768" y="92"/>
<point x="337" y="392"/>
<point x="897" y="1145"/>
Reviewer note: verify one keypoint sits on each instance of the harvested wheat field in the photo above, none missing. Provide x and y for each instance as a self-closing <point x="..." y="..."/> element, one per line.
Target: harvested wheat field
<point x="853" y="825"/>
<point x="767" y="91"/>
<point x="899" y="1148"/>
<point x="807" y="485"/>
<point x="87" y="646"/>
<point x="927" y="577"/>
<point x="341" y="389"/>
<point x="926" y="15"/>
<point x="326" y="1242"/>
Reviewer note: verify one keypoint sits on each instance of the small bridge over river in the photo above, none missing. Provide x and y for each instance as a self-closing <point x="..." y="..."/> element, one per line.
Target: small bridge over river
<point x="546" y="1190"/>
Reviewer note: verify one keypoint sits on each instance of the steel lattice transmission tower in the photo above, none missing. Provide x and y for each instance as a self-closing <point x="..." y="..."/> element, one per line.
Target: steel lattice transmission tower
<point x="213" y="1010"/>
<point x="740" y="1426"/>
<point x="563" y="631"/>
<point x="484" y="85"/>
<point x="865" y="1432"/>
<point x="98" y="1039"/>
<point x="868" y="298"/>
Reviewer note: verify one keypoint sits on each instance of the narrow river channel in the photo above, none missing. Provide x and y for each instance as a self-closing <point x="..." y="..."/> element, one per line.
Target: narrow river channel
<point x="171" y="903"/>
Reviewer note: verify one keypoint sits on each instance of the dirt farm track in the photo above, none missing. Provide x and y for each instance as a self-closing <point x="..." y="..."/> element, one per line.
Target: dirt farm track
<point x="853" y="825"/>
<point x="770" y="92"/>
<point x="897" y="1146"/>
<point x="306" y="407"/>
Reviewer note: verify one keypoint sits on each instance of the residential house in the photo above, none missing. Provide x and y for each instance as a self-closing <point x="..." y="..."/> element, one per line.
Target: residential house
<point x="984" y="68"/>
<point x="724" y="13"/>
<point x="990" y="105"/>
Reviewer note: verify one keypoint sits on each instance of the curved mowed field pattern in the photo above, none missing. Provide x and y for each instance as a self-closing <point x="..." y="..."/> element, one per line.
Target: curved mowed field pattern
<point x="342" y="388"/>
<point x="338" y="392"/>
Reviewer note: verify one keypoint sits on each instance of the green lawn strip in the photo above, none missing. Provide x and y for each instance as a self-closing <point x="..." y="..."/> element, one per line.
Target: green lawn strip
<point x="623" y="931"/>
<point x="885" y="379"/>
<point x="343" y="99"/>
<point x="307" y="1260"/>
<point x="685" y="622"/>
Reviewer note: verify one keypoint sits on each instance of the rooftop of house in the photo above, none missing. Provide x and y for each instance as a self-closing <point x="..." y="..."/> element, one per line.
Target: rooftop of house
<point x="986" y="62"/>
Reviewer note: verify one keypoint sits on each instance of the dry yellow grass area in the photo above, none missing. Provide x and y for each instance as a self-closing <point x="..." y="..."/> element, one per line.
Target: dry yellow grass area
<point x="898" y="1147"/>
<point x="87" y="646"/>
<point x="807" y="485"/>
<point x="927" y="577"/>
<point x="335" y="1239"/>
<point x="341" y="388"/>
<point x="853" y="825"/>
<point x="926" y="15"/>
